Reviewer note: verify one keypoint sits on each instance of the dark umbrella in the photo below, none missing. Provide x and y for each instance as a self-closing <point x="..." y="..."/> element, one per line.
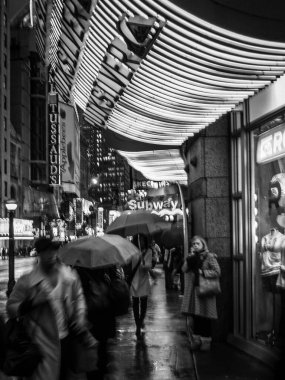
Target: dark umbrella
<point x="131" y="223"/>
<point x="99" y="252"/>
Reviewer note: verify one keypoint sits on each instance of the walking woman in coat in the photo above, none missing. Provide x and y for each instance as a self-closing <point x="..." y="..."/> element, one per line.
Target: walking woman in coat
<point x="140" y="286"/>
<point x="51" y="299"/>
<point x="202" y="309"/>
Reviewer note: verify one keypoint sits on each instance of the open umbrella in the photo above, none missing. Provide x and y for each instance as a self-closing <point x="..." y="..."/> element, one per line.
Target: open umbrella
<point x="130" y="223"/>
<point x="99" y="252"/>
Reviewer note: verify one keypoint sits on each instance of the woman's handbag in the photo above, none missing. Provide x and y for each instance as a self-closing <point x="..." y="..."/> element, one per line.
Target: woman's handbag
<point x="130" y="277"/>
<point x="280" y="282"/>
<point x="22" y="355"/>
<point x="208" y="286"/>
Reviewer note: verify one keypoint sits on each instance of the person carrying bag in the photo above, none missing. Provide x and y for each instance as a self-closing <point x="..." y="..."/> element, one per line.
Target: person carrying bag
<point x="199" y="299"/>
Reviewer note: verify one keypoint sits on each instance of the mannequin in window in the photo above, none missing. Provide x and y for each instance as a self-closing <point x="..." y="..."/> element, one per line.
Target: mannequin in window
<point x="271" y="247"/>
<point x="277" y="191"/>
<point x="271" y="252"/>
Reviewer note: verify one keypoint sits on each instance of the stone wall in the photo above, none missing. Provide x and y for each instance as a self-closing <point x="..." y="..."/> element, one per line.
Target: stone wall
<point x="208" y="157"/>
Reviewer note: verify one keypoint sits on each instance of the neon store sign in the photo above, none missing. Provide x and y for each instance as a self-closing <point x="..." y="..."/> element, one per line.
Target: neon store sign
<point x="156" y="205"/>
<point x="271" y="145"/>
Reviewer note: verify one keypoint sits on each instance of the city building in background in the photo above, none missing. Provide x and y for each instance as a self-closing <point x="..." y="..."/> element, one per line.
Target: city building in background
<point x="5" y="130"/>
<point x="111" y="172"/>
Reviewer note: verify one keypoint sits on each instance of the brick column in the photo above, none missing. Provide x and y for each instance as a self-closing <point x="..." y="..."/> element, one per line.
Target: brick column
<point x="208" y="158"/>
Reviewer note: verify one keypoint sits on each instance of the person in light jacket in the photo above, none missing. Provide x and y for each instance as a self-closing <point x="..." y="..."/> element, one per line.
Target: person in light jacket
<point x="51" y="299"/>
<point x="202" y="309"/>
<point x="140" y="286"/>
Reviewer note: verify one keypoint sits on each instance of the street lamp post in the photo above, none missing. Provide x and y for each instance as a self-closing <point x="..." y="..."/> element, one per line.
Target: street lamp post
<point x="11" y="206"/>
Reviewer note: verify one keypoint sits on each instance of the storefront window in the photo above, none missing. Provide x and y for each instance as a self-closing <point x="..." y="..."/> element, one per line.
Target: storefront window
<point x="269" y="213"/>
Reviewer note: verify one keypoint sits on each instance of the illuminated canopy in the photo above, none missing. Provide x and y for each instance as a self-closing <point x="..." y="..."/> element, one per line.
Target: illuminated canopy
<point x="149" y="71"/>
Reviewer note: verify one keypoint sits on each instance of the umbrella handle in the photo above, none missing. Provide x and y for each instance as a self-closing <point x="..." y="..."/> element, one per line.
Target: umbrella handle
<point x="139" y="242"/>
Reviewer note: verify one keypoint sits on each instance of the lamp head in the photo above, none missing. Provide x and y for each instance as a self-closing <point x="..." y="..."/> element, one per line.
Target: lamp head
<point x="94" y="181"/>
<point x="11" y="205"/>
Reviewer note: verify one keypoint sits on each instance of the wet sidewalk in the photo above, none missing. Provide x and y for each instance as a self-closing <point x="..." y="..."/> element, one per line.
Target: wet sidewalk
<point x="163" y="353"/>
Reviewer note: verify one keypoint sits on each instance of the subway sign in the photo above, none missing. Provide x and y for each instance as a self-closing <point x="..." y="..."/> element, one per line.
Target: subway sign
<point x="271" y="145"/>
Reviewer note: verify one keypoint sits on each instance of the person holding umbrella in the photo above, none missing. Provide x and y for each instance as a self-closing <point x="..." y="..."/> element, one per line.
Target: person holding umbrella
<point x="140" y="285"/>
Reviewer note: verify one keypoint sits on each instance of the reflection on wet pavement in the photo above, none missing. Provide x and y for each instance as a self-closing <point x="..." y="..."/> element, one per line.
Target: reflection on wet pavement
<point x="163" y="352"/>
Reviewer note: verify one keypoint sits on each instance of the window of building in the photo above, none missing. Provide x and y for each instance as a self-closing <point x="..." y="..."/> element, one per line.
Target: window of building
<point x="5" y="82"/>
<point x="5" y="123"/>
<point x="5" y="189"/>
<point x="5" y="144"/>
<point x="5" y="102"/>
<point x="5" y="167"/>
<point x="269" y="214"/>
<point x="5" y="61"/>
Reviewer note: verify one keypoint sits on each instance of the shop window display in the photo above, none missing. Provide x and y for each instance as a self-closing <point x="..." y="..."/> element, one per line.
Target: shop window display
<point x="270" y="233"/>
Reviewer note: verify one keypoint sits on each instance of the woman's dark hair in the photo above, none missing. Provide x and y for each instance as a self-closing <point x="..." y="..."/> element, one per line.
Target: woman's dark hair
<point x="43" y="244"/>
<point x="142" y="238"/>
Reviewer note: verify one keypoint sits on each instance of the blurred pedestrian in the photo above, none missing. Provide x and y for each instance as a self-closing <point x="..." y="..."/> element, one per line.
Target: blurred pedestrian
<point x="176" y="274"/>
<point x="3" y="253"/>
<point x="2" y="343"/>
<point x="156" y="253"/>
<point x="51" y="299"/>
<point x="202" y="309"/>
<point x="140" y="286"/>
<point x="101" y="314"/>
<point x="168" y="267"/>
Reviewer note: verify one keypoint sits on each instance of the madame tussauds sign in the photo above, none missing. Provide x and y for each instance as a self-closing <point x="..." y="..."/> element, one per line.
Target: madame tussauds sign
<point x="53" y="135"/>
<point x="150" y="205"/>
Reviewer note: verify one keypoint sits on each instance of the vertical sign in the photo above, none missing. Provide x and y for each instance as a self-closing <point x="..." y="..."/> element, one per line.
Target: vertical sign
<point x="78" y="211"/>
<point x="70" y="149"/>
<point x="100" y="217"/>
<point x="53" y="134"/>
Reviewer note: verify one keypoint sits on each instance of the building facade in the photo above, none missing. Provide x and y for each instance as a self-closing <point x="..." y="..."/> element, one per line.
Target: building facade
<point x="110" y="169"/>
<point x="236" y="177"/>
<point x="4" y="107"/>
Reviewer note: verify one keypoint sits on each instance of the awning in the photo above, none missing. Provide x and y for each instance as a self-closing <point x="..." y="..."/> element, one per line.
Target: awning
<point x="154" y="72"/>
<point x="23" y="229"/>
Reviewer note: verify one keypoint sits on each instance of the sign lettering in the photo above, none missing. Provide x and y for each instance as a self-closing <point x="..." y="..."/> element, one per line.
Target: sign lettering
<point x="122" y="59"/>
<point x="53" y="133"/>
<point x="153" y="205"/>
<point x="271" y="145"/>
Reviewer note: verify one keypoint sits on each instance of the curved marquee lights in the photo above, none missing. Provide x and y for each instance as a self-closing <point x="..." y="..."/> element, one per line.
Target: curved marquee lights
<point x="159" y="165"/>
<point x="188" y="61"/>
<point x="150" y="71"/>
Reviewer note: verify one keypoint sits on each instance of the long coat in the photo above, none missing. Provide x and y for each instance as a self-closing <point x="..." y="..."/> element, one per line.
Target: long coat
<point x="140" y="286"/>
<point x="192" y="303"/>
<point x="41" y="320"/>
